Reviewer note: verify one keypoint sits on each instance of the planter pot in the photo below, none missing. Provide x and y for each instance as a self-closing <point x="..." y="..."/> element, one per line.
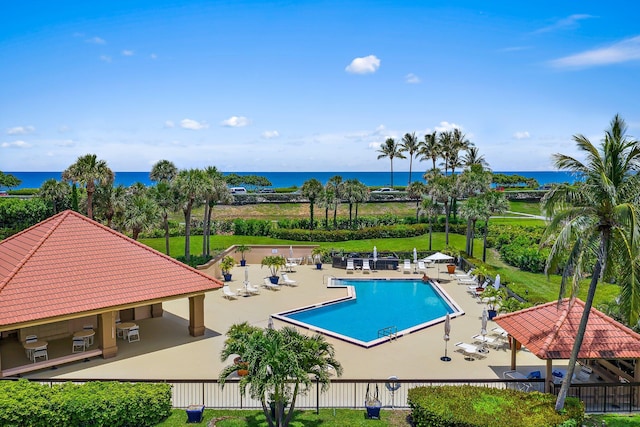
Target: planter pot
<point x="227" y="277"/>
<point x="243" y="262"/>
<point x="318" y="266"/>
<point x="451" y="268"/>
<point x="492" y="314"/>
<point x="274" y="279"/>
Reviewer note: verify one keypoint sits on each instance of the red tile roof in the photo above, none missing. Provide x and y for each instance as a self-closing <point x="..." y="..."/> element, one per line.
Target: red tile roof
<point x="549" y="332"/>
<point x="70" y="264"/>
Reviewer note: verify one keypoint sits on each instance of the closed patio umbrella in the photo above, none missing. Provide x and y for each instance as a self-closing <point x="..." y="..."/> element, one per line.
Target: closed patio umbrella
<point x="496" y="283"/>
<point x="483" y="329"/>
<point x="447" y="332"/>
<point x="270" y="323"/>
<point x="375" y="257"/>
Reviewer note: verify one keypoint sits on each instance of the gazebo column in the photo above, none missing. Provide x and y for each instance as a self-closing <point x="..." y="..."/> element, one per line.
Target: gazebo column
<point x="514" y="345"/>
<point x="196" y="315"/>
<point x="157" y="310"/>
<point x="548" y="376"/>
<point x="107" y="334"/>
<point x="636" y="378"/>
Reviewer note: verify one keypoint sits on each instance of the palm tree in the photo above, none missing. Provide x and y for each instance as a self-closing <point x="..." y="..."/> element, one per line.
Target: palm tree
<point x="459" y="142"/>
<point x="312" y="189"/>
<point x="190" y="185"/>
<point x="430" y="149"/>
<point x="55" y="192"/>
<point x="349" y="193"/>
<point x="473" y="157"/>
<point x="361" y="195"/>
<point x="335" y="186"/>
<point x="327" y="202"/>
<point x="215" y="191"/>
<point x="391" y="150"/>
<point x="110" y="203"/>
<point x="495" y="203"/>
<point x="471" y="210"/>
<point x="88" y="171"/>
<point x="415" y="191"/>
<point x="163" y="171"/>
<point x="163" y="195"/>
<point x="141" y="214"/>
<point x="281" y="364"/>
<point x="594" y="224"/>
<point x="410" y="145"/>
<point x="431" y="210"/>
<point x="441" y="188"/>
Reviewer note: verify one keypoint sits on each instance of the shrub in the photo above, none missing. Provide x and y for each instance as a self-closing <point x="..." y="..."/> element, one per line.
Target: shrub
<point x="195" y="260"/>
<point x="468" y="406"/>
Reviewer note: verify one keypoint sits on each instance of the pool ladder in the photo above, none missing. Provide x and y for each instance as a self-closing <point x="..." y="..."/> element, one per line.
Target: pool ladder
<point x="389" y="331"/>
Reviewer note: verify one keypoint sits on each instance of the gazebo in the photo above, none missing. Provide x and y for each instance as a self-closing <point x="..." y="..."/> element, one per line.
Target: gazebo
<point x="68" y="270"/>
<point x="549" y="331"/>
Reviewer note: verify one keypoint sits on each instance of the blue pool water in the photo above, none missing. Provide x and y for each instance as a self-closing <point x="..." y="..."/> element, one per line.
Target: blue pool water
<point x="407" y="305"/>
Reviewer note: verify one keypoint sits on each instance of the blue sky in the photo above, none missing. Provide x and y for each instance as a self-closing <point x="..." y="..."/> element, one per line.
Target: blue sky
<point x="308" y="85"/>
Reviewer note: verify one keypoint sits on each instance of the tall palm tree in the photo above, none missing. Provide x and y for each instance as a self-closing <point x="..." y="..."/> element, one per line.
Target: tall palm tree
<point x="473" y="157"/>
<point x="312" y="189"/>
<point x="335" y="186"/>
<point x="55" y="192"/>
<point x="163" y="171"/>
<point x="494" y="203"/>
<point x="431" y="210"/>
<point x="215" y="191"/>
<point x="327" y="202"/>
<point x="411" y="145"/>
<point x="164" y="196"/>
<point x="595" y="224"/>
<point x="415" y="191"/>
<point x="362" y="195"/>
<point x="111" y="204"/>
<point x="445" y="142"/>
<point x="350" y="193"/>
<point x="89" y="171"/>
<point x="141" y="214"/>
<point x="441" y="188"/>
<point x="190" y="185"/>
<point x="391" y="150"/>
<point x="430" y="149"/>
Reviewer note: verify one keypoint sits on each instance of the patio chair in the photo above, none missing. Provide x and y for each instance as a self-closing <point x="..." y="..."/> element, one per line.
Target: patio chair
<point x="516" y="375"/>
<point x="350" y="267"/>
<point x="88" y="327"/>
<point x="290" y="265"/>
<point x="133" y="334"/>
<point x="366" y="267"/>
<point x="406" y="268"/>
<point x="467" y="281"/>
<point x="584" y="374"/>
<point x="421" y="267"/>
<point x="466" y="275"/>
<point x="272" y="286"/>
<point x="40" y="353"/>
<point x="287" y="281"/>
<point x="470" y="351"/>
<point x="78" y="345"/>
<point x="228" y="293"/>
<point x="477" y="292"/>
<point x="486" y="340"/>
<point x="29" y="339"/>
<point x="253" y="290"/>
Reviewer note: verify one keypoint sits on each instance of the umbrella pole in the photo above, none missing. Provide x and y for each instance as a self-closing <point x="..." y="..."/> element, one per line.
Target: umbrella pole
<point x="445" y="358"/>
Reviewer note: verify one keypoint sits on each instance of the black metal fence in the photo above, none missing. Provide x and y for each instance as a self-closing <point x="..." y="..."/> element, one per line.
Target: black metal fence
<point x="342" y="393"/>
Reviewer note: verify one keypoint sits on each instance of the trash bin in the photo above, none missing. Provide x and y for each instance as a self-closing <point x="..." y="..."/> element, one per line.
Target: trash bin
<point x="194" y="413"/>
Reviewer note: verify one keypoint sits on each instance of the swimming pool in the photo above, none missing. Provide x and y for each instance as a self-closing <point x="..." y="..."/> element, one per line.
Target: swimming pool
<point x="375" y="309"/>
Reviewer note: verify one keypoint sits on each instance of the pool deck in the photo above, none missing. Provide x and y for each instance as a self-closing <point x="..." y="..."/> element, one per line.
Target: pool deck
<point x="166" y="351"/>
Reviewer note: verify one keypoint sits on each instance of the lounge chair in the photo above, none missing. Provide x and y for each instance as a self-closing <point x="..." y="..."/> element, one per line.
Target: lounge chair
<point x="366" y="267"/>
<point x="406" y="268"/>
<point x="250" y="289"/>
<point x="290" y="265"/>
<point x="466" y="275"/>
<point x="267" y="284"/>
<point x="472" y="288"/>
<point x="584" y="374"/>
<point x="468" y="280"/>
<point x="421" y="267"/>
<point x="478" y="290"/>
<point x="228" y="293"/>
<point x="287" y="281"/>
<point x="516" y="375"/>
<point x="486" y="340"/>
<point x="470" y="351"/>
<point x="350" y="267"/>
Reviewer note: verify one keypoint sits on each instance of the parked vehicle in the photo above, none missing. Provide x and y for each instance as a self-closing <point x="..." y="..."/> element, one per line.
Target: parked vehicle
<point x="238" y="190"/>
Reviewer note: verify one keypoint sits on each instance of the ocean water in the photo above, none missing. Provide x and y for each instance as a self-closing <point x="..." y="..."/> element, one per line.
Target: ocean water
<point x="289" y="179"/>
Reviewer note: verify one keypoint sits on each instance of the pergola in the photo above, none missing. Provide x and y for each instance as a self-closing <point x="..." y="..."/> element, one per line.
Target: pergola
<point x="549" y="331"/>
<point x="69" y="267"/>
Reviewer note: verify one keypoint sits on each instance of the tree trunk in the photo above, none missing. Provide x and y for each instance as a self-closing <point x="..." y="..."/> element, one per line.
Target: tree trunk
<point x="446" y="223"/>
<point x="350" y="214"/>
<point x="418" y="212"/>
<point x="410" y="167"/>
<point x="468" y="236"/>
<point x="473" y="236"/>
<point x="356" y="218"/>
<point x="392" y="172"/>
<point x="430" y="233"/>
<point x="311" y="214"/>
<point x="89" y="203"/>
<point x="564" y="389"/>
<point x="335" y="218"/>
<point x="205" y="226"/>
<point x="326" y="217"/>
<point x="209" y="216"/>
<point x="187" y="232"/>
<point x="165" y="219"/>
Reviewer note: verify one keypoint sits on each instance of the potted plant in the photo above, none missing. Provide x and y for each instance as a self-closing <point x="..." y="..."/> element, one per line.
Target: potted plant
<point x="318" y="253"/>
<point x="275" y="263"/>
<point x="451" y="268"/>
<point x="226" y="265"/>
<point x="494" y="299"/>
<point x="242" y="249"/>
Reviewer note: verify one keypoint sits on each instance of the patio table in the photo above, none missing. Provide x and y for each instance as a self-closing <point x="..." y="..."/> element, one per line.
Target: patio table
<point x="86" y="334"/>
<point x="124" y="328"/>
<point x="31" y="347"/>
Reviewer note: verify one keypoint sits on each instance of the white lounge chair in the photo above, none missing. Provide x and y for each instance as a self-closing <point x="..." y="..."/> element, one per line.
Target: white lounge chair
<point x="470" y="351"/>
<point x="250" y="289"/>
<point x="421" y="267"/>
<point x="487" y="340"/>
<point x="584" y="374"/>
<point x="468" y="280"/>
<point x="290" y="265"/>
<point x="350" y="267"/>
<point x="267" y="284"/>
<point x="287" y="281"/>
<point x="466" y="275"/>
<point x="406" y="268"/>
<point x="366" y="267"/>
<point x="477" y="291"/>
<point x="228" y="293"/>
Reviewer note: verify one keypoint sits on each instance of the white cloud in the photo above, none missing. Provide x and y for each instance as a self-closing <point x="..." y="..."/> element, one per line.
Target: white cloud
<point x="127" y="52"/>
<point x="522" y="135"/>
<point x="268" y="134"/>
<point x="446" y="126"/>
<point x="411" y="78"/>
<point x="569" y="22"/>
<point x="15" y="144"/>
<point x="375" y="145"/>
<point x="169" y="124"/>
<point x="623" y="51"/>
<point x="96" y="40"/>
<point x="105" y="58"/>
<point x="65" y="143"/>
<point x="20" y="130"/>
<point x="364" y="65"/>
<point x="193" y="124"/>
<point x="235" y="122"/>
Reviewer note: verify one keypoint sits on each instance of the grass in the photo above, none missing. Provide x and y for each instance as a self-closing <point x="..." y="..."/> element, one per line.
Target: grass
<point x="531" y="208"/>
<point x="326" y="418"/>
<point x="612" y="420"/>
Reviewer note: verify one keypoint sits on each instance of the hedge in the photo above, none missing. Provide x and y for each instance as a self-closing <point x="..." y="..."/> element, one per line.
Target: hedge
<point x="95" y="404"/>
<point x="469" y="406"/>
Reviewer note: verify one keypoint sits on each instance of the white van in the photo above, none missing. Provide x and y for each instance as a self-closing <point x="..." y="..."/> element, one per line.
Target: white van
<point x="238" y="190"/>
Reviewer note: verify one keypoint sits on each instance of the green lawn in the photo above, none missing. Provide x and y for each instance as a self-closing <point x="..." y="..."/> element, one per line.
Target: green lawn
<point x="531" y="208"/>
<point x="326" y="418"/>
